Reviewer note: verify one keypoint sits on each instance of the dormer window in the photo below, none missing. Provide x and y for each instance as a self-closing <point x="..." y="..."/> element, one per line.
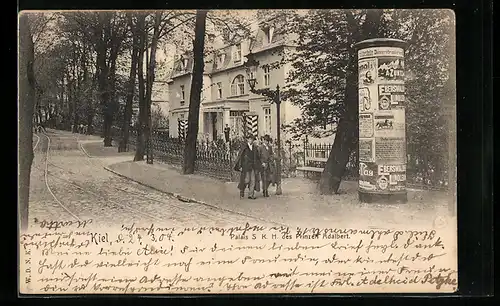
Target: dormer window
<point x="237" y="53"/>
<point x="219" y="62"/>
<point x="268" y="31"/>
<point x="219" y="90"/>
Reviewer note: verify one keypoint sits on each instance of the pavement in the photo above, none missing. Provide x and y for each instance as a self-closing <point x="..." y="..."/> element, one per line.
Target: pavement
<point x="299" y="205"/>
<point x="67" y="183"/>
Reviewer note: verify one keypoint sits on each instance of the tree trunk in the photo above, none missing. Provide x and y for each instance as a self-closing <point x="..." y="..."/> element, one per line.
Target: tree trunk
<point x="76" y="95"/>
<point x="63" y="92"/>
<point x="194" y="99"/>
<point x="150" y="76"/>
<point x="140" y="146"/>
<point x="346" y="138"/>
<point x="344" y="143"/>
<point x="127" y="116"/>
<point x="26" y="110"/>
<point x="103" y="70"/>
<point x="111" y="104"/>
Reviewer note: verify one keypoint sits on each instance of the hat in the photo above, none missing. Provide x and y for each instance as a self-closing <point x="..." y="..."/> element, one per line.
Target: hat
<point x="267" y="138"/>
<point x="250" y="136"/>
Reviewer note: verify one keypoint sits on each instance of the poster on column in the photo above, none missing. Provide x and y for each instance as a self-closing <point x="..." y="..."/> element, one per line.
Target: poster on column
<point x="391" y="177"/>
<point x="367" y="70"/>
<point x="365" y="100"/>
<point x="390" y="124"/>
<point x="366" y="150"/>
<point x="391" y="96"/>
<point x="390" y="68"/>
<point x="367" y="176"/>
<point x="390" y="149"/>
<point x="365" y="125"/>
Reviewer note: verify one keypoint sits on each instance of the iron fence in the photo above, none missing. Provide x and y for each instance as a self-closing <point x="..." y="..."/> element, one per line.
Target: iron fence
<point x="316" y="155"/>
<point x="216" y="158"/>
<point x="418" y="174"/>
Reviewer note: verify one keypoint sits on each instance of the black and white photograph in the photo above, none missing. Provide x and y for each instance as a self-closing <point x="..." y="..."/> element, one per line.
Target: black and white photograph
<point x="237" y="151"/>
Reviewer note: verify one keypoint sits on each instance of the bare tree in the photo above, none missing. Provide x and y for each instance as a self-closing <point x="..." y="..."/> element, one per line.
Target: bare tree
<point x="160" y="24"/>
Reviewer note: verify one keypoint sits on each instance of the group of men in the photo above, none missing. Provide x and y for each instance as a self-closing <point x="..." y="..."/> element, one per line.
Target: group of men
<point x="255" y="162"/>
<point x="81" y="128"/>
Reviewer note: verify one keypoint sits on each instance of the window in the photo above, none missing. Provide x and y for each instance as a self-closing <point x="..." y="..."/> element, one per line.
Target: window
<point x="220" y="60"/>
<point x="219" y="90"/>
<point x="184" y="62"/>
<point x="269" y="31"/>
<point x="183" y="94"/>
<point x="267" y="121"/>
<point x="238" y="86"/>
<point x="236" y="122"/>
<point x="267" y="76"/>
<point x="237" y="53"/>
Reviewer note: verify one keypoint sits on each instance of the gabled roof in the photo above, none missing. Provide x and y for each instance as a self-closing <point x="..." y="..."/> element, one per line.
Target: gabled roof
<point x="259" y="43"/>
<point x="256" y="44"/>
<point x="227" y="51"/>
<point x="179" y="69"/>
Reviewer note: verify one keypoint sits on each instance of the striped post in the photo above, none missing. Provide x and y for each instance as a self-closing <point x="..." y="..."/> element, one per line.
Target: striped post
<point x="251" y="124"/>
<point x="181" y="128"/>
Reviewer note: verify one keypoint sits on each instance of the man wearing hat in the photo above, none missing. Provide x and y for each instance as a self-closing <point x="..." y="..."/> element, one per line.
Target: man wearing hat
<point x="267" y="160"/>
<point x="249" y="164"/>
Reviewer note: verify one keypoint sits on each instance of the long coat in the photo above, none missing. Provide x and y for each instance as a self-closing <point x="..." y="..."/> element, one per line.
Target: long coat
<point x="244" y="164"/>
<point x="267" y="158"/>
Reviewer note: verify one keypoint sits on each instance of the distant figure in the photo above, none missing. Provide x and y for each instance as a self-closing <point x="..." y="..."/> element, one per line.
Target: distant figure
<point x="227" y="131"/>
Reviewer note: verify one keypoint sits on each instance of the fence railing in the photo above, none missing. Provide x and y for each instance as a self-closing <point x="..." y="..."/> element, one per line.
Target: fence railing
<point x="216" y="159"/>
<point x="316" y="155"/>
<point x="418" y="174"/>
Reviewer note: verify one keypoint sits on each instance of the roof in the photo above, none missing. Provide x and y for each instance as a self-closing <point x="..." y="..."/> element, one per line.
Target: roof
<point x="256" y="44"/>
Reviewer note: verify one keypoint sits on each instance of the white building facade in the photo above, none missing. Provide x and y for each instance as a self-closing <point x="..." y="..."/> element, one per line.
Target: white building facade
<point x="226" y="95"/>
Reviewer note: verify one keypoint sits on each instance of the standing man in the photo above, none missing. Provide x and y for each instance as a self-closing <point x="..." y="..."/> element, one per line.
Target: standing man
<point x="248" y="163"/>
<point x="227" y="131"/>
<point x="266" y="158"/>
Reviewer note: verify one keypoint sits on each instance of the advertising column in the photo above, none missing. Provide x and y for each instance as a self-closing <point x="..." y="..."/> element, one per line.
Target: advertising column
<point x="382" y="137"/>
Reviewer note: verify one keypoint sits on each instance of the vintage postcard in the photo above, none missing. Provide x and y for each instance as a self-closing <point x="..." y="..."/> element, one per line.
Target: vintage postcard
<point x="237" y="151"/>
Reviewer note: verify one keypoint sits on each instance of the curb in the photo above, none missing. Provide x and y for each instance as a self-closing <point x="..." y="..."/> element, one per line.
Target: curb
<point x="187" y="199"/>
<point x="175" y="195"/>
<point x="83" y="149"/>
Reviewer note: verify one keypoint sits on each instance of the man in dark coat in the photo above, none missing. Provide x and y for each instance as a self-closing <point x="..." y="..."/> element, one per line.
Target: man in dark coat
<point x="248" y="162"/>
<point x="267" y="160"/>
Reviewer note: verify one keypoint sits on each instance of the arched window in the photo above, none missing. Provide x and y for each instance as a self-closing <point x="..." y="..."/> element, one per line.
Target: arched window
<point x="238" y="86"/>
